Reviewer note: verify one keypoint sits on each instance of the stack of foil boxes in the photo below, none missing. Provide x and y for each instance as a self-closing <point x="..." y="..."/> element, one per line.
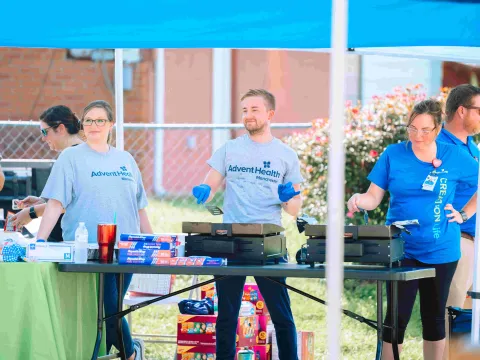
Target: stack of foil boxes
<point x="147" y="249"/>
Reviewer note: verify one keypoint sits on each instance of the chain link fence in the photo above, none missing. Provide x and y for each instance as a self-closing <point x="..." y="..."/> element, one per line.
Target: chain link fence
<point x="171" y="157"/>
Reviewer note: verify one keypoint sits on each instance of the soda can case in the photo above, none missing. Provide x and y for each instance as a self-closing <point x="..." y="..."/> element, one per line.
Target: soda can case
<point x="196" y="352"/>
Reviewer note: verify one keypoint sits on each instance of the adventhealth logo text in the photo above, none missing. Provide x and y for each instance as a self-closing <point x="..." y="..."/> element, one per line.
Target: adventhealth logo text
<point x="265" y="170"/>
<point x="124" y="173"/>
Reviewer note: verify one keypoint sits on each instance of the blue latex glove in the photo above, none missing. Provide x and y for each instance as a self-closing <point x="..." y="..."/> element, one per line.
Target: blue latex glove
<point x="286" y="192"/>
<point x="201" y="193"/>
<point x="13" y="253"/>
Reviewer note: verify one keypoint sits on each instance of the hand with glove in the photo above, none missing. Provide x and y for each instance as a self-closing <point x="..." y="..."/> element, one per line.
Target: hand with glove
<point x="286" y="192"/>
<point x="201" y="193"/>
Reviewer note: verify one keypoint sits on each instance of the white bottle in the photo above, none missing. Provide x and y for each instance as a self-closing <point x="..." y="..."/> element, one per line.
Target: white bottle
<point x="81" y="243"/>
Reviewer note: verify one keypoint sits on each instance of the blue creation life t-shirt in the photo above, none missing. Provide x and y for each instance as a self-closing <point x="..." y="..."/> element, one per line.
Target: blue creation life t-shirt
<point x="464" y="191"/>
<point x="402" y="174"/>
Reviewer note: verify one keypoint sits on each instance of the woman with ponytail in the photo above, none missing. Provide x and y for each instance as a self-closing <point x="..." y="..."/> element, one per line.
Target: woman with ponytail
<point x="60" y="129"/>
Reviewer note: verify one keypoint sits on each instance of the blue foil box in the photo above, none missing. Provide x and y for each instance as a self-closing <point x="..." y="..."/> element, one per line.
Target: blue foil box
<point x="125" y="253"/>
<point x="140" y="260"/>
<point x="145" y="245"/>
<point x="198" y="261"/>
<point x="215" y="262"/>
<point x="149" y="237"/>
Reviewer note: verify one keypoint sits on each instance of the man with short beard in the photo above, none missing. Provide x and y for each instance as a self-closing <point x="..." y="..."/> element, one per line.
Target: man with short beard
<point x="262" y="177"/>
<point x="463" y="120"/>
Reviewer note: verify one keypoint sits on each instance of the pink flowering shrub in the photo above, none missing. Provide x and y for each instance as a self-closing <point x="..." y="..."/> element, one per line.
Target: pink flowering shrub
<point x="369" y="129"/>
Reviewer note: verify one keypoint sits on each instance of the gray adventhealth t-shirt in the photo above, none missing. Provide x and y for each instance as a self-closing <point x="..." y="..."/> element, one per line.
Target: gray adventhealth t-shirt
<point x="92" y="186"/>
<point x="252" y="173"/>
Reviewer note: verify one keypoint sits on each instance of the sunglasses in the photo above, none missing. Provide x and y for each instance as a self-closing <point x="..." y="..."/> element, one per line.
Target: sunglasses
<point x="45" y="131"/>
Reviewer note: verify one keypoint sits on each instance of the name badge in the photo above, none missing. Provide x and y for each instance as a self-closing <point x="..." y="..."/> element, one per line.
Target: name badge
<point x="429" y="183"/>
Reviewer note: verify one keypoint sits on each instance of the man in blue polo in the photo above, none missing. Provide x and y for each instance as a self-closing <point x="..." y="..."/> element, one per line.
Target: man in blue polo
<point x="463" y="121"/>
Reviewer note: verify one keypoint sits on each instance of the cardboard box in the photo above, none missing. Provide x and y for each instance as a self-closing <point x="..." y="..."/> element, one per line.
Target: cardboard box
<point x="207" y="291"/>
<point x="151" y="284"/>
<point x="253" y="330"/>
<point x="127" y="253"/>
<point x="247" y="309"/>
<point x="50" y="252"/>
<point x="199" y="261"/>
<point x="196" y="353"/>
<point x="150" y="238"/>
<point x="260" y="352"/>
<point x="460" y="348"/>
<point x="305" y="345"/>
<point x="8" y="225"/>
<point x="196" y="330"/>
<point x="251" y="293"/>
<point x="140" y="260"/>
<point x="145" y="245"/>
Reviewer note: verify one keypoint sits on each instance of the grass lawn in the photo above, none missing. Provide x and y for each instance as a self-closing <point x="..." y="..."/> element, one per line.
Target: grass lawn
<point x="358" y="340"/>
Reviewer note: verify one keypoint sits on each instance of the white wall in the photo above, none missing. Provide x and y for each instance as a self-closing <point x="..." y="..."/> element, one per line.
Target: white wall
<point x="353" y="78"/>
<point x="221" y="95"/>
<point x="380" y="74"/>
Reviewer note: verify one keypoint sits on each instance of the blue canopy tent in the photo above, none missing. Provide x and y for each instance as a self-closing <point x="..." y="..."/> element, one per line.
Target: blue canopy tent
<point x="245" y="24"/>
<point x="258" y="24"/>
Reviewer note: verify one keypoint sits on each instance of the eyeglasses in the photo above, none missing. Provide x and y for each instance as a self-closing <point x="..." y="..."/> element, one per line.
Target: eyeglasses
<point x="99" y="122"/>
<point x="414" y="131"/>
<point x="45" y="130"/>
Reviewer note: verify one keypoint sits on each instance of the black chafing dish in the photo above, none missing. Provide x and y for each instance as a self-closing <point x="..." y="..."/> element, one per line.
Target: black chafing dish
<point x="373" y="244"/>
<point x="239" y="243"/>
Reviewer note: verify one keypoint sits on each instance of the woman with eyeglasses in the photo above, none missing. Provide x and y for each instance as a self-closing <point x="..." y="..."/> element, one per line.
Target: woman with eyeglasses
<point x="421" y="175"/>
<point x="60" y="129"/>
<point x="92" y="182"/>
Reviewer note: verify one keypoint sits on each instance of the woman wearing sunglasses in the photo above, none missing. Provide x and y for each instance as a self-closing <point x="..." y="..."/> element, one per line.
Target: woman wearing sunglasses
<point x="421" y="176"/>
<point x="60" y="129"/>
<point x="92" y="182"/>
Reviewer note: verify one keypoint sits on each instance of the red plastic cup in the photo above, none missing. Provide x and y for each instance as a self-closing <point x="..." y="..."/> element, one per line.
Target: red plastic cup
<point x="106" y="236"/>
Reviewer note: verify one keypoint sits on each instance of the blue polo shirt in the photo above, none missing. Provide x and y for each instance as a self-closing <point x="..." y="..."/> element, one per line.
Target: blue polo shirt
<point x="402" y="174"/>
<point x="464" y="191"/>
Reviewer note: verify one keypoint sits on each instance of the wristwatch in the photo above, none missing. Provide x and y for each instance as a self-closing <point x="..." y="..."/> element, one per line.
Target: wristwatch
<point x="32" y="213"/>
<point x="464" y="215"/>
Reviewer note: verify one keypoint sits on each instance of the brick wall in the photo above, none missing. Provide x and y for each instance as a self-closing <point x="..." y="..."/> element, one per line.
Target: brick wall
<point x="31" y="80"/>
<point x="455" y="74"/>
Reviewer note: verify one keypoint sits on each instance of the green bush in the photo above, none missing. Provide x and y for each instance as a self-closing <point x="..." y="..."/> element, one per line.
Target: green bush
<point x="369" y="129"/>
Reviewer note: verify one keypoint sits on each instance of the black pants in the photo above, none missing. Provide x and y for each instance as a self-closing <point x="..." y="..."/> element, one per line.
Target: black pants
<point x="433" y="300"/>
<point x="278" y="303"/>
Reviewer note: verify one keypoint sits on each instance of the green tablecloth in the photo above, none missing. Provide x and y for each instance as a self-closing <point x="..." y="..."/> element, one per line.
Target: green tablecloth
<point x="46" y="314"/>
